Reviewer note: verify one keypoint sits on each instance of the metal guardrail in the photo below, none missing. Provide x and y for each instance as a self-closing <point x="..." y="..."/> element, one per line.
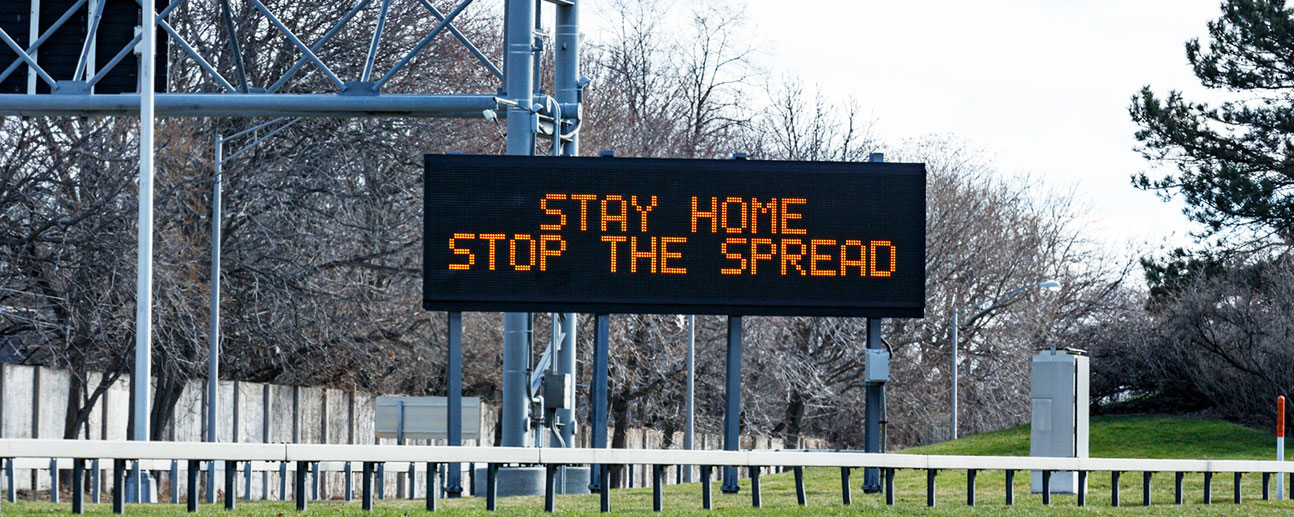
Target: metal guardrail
<point x="307" y="457"/>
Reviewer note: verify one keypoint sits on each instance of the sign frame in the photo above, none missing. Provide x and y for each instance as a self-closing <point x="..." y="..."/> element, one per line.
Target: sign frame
<point x="908" y="178"/>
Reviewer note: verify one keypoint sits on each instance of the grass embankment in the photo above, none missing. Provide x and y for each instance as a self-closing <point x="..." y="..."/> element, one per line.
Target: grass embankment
<point x="1139" y="437"/>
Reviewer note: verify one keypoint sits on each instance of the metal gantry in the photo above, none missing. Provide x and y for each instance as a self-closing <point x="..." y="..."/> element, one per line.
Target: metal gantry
<point x="520" y="101"/>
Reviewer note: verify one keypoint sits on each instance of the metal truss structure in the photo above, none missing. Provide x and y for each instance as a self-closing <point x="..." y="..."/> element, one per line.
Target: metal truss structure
<point x="529" y="112"/>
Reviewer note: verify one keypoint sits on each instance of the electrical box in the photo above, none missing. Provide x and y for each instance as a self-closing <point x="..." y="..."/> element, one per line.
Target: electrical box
<point x="876" y="366"/>
<point x="1058" y="394"/>
<point x="559" y="391"/>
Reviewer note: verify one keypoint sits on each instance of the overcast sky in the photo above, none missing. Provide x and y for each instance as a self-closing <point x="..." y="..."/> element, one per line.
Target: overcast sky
<point x="1042" y="86"/>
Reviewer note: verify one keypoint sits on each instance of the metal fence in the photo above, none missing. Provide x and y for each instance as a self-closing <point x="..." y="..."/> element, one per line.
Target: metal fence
<point x="303" y="460"/>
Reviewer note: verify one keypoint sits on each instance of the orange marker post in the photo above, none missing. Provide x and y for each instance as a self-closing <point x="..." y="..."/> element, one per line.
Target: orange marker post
<point x="1280" y="444"/>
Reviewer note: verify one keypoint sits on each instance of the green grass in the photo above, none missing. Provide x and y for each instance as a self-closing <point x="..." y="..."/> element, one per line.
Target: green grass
<point x="1144" y="437"/>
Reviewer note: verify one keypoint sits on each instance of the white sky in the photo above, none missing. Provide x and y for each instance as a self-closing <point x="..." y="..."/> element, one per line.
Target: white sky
<point x="1041" y="86"/>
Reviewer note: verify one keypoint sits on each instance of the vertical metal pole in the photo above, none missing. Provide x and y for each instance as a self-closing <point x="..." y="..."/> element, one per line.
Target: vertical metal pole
<point x="11" y="491"/>
<point x="689" y="425"/>
<point x="846" y="495"/>
<point x="872" y="412"/>
<point x="1010" y="487"/>
<point x="519" y="22"/>
<point x="96" y="485"/>
<point x="515" y="362"/>
<point x="566" y="365"/>
<point x="491" y="485"/>
<point x="566" y="78"/>
<point x="432" y="470"/>
<point x="78" y="485"/>
<point x="706" y="501"/>
<point x="799" y="486"/>
<point x="175" y="483"/>
<point x="732" y="403"/>
<point x="550" y="487"/>
<point x="952" y="433"/>
<point x="213" y="310"/>
<point x="53" y="480"/>
<point x="601" y="351"/>
<point x="454" y="401"/>
<point x="144" y="269"/>
<point x="118" y="486"/>
<point x="366" y="493"/>
<point x="299" y="486"/>
<point x="970" y="487"/>
<point x="191" y="502"/>
<point x="231" y="486"/>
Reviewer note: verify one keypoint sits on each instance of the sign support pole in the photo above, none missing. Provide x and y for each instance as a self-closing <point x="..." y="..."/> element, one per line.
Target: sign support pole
<point x="144" y="272"/>
<point x="601" y="350"/>
<point x="213" y="338"/>
<point x="454" y="401"/>
<point x="732" y="405"/>
<point x="566" y="86"/>
<point x="872" y="413"/>
<point x="519" y="22"/>
<point x="691" y="392"/>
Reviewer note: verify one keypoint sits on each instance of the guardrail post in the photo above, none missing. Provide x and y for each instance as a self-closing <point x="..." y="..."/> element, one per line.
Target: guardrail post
<point x="78" y="485"/>
<point x="1237" y="487"/>
<point x="889" y="487"/>
<point x="1046" y="487"/>
<point x="1290" y="484"/>
<point x="1177" y="487"/>
<point x="349" y="482"/>
<point x="491" y="485"/>
<point x="283" y="481"/>
<point x="433" y="475"/>
<point x="1010" y="487"/>
<point x="10" y="490"/>
<point x="846" y="495"/>
<point x="550" y="487"/>
<point x="381" y="481"/>
<point x="1145" y="488"/>
<point x="1082" y="488"/>
<point x="192" y="475"/>
<point x="314" y="481"/>
<point x="366" y="488"/>
<point x="1208" y="488"/>
<point x="1114" y="488"/>
<point x="1267" y="479"/>
<point x="303" y="468"/>
<point x="604" y="495"/>
<point x="799" y="486"/>
<point x="118" y="485"/>
<point x="413" y="478"/>
<point x="96" y="485"/>
<point x="756" y="500"/>
<point x="175" y="482"/>
<point x="231" y="487"/>
<point x="930" y="486"/>
<point x="53" y="481"/>
<point x="658" y="481"/>
<point x="970" y="487"/>
<point x="247" y="481"/>
<point x="706" y="501"/>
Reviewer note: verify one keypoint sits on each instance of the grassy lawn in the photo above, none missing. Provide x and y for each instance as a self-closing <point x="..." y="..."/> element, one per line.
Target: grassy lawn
<point x="1144" y="437"/>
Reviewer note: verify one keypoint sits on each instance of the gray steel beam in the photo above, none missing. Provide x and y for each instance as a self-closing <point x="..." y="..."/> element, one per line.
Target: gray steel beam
<point x="253" y="105"/>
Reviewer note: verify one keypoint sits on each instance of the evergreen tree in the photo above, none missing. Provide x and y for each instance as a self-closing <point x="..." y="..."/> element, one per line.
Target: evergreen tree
<point x="1232" y="162"/>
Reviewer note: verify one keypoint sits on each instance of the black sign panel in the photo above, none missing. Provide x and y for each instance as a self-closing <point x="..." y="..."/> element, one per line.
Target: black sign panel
<point x="59" y="54"/>
<point x="628" y="235"/>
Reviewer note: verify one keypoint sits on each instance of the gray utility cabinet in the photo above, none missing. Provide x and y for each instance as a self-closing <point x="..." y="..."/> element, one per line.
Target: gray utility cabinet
<point x="1058" y="392"/>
